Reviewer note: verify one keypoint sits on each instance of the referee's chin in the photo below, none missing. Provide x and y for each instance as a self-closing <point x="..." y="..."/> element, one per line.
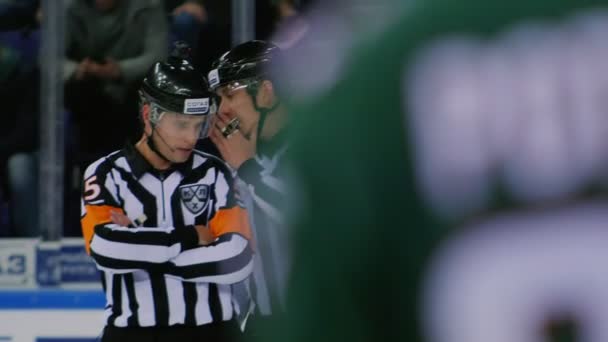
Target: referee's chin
<point x="181" y="155"/>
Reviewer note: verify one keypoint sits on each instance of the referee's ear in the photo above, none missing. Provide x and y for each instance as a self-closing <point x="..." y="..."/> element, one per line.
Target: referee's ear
<point x="145" y="118"/>
<point x="266" y="95"/>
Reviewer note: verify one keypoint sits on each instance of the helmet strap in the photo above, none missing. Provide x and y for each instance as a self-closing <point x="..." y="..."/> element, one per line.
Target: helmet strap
<point x="153" y="147"/>
<point x="252" y="90"/>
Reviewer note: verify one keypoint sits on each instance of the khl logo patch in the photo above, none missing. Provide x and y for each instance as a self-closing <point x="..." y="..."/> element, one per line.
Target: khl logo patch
<point x="195" y="197"/>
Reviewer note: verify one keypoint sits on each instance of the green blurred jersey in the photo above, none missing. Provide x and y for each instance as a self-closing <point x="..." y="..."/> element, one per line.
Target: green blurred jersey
<point x="365" y="232"/>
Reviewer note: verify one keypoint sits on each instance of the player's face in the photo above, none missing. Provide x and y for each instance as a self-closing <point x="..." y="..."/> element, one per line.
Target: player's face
<point x="236" y="102"/>
<point x="177" y="135"/>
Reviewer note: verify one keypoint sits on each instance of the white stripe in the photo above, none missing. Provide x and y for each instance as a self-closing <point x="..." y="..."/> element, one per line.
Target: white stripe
<point x="262" y="298"/>
<point x="133" y="207"/>
<point x="121" y="321"/>
<point x="170" y="184"/>
<point x="197" y="160"/>
<point x="154" y="186"/>
<point x="110" y="186"/>
<point x="109" y="289"/>
<point x="92" y="168"/>
<point x="177" y="305"/>
<point x="270" y="164"/>
<point x="206" y="156"/>
<point x="112" y="271"/>
<point x="230" y="278"/>
<point x="122" y="163"/>
<point x="145" y="299"/>
<point x="202" y="310"/>
<point x="219" y="252"/>
<point x="131" y="252"/>
<point x="221" y="189"/>
<point x="274" y="183"/>
<point x="225" y="294"/>
<point x="266" y="207"/>
<point x="115" y="227"/>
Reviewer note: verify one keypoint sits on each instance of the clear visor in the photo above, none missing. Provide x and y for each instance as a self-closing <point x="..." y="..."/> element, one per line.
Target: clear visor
<point x="158" y="112"/>
<point x="233" y="86"/>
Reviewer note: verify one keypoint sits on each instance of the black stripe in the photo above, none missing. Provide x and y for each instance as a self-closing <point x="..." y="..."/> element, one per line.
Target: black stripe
<point x="190" y="298"/>
<point x="176" y="208"/>
<point x="253" y="287"/>
<point x="119" y="264"/>
<point x="260" y="189"/>
<point x="155" y="238"/>
<point x="268" y="195"/>
<point x="104" y="286"/>
<point x="147" y="199"/>
<point x="102" y="171"/>
<point x="223" y="238"/>
<point x="116" y="298"/>
<point x="195" y="175"/>
<point x="231" y="199"/>
<point x="133" y="320"/>
<point x="161" y="299"/>
<point x="215" y="306"/>
<point x="275" y="304"/>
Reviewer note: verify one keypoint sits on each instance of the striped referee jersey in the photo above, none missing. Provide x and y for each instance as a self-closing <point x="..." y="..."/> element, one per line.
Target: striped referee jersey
<point x="264" y="178"/>
<point x="154" y="272"/>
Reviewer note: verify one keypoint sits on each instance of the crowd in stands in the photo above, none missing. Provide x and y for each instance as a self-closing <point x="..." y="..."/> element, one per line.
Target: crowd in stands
<point x="109" y="45"/>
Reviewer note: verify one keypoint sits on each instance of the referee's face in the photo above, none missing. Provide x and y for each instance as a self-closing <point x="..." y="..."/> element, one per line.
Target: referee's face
<point x="177" y="134"/>
<point x="237" y="103"/>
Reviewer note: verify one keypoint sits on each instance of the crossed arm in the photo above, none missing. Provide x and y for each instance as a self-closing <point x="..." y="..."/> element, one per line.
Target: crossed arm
<point x="174" y="251"/>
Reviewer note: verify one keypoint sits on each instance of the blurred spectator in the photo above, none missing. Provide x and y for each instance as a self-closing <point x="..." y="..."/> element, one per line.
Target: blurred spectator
<point x="286" y="8"/>
<point x="215" y="36"/>
<point x="266" y="17"/>
<point x="186" y="19"/>
<point x="19" y="84"/>
<point x="272" y="15"/>
<point x="291" y="25"/>
<point x="18" y="14"/>
<point x="19" y="136"/>
<point x="109" y="46"/>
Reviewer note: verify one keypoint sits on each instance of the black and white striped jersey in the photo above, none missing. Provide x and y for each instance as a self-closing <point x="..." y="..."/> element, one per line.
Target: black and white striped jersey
<point x="264" y="177"/>
<point x="154" y="272"/>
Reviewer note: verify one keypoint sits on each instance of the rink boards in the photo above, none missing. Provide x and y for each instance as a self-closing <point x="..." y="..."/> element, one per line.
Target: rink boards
<point x="49" y="292"/>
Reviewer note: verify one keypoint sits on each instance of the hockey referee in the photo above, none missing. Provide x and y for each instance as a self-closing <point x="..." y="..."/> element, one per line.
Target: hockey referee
<point x="162" y="222"/>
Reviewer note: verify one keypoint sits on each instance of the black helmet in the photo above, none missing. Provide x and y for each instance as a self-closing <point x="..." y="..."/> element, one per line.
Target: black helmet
<point x="176" y="86"/>
<point x="246" y="61"/>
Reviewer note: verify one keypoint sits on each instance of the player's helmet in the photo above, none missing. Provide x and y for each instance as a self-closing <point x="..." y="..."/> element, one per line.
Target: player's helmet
<point x="176" y="86"/>
<point x="243" y="64"/>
